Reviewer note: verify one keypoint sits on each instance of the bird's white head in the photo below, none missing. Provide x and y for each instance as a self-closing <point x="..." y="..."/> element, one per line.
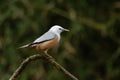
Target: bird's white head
<point x="57" y="29"/>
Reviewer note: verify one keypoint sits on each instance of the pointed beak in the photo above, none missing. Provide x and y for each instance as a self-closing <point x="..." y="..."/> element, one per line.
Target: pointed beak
<point x="66" y="30"/>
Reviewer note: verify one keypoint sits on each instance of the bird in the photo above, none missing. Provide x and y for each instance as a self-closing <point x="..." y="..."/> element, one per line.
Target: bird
<point x="48" y="40"/>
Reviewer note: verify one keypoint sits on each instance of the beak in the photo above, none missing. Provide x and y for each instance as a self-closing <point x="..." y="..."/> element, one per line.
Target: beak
<point x="66" y="30"/>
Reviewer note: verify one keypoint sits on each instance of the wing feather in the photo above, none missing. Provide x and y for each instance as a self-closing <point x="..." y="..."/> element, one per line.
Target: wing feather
<point x="45" y="37"/>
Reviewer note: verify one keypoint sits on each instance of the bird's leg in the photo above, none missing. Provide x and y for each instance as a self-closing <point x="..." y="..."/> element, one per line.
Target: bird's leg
<point x="45" y="51"/>
<point x="47" y="55"/>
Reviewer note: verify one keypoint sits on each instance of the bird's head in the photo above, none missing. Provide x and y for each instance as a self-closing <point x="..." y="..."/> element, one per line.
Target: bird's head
<point x="58" y="29"/>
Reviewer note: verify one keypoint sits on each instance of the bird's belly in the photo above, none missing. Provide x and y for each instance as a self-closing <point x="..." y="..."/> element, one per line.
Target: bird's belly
<point x="47" y="45"/>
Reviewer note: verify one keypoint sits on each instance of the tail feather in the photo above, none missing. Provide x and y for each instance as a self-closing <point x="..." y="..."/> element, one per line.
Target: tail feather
<point x="25" y="46"/>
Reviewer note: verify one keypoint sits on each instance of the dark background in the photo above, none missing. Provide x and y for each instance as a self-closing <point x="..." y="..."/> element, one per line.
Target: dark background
<point x="90" y="51"/>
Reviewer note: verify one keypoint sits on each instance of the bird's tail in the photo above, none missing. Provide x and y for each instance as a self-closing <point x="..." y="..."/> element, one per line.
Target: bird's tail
<point x="25" y="46"/>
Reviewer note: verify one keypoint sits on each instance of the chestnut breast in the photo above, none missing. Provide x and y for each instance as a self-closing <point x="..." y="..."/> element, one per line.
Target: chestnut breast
<point x="47" y="44"/>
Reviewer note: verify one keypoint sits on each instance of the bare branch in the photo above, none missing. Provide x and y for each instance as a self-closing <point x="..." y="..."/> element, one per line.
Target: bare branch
<point x="45" y="57"/>
<point x="23" y="65"/>
<point x="51" y="60"/>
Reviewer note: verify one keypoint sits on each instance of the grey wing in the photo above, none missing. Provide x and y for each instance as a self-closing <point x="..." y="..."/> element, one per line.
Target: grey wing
<point x="45" y="37"/>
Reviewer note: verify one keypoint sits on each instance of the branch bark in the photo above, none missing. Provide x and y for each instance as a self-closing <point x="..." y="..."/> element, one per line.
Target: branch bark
<point x="45" y="57"/>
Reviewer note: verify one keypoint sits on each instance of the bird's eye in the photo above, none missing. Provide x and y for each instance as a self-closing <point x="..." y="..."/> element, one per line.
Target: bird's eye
<point x="60" y="29"/>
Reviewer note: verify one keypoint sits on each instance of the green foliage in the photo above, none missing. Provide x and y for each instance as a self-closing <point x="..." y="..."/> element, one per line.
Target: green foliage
<point x="90" y="51"/>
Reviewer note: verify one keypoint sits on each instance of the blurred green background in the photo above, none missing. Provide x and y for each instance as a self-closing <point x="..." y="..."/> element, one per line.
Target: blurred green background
<point x="90" y="51"/>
